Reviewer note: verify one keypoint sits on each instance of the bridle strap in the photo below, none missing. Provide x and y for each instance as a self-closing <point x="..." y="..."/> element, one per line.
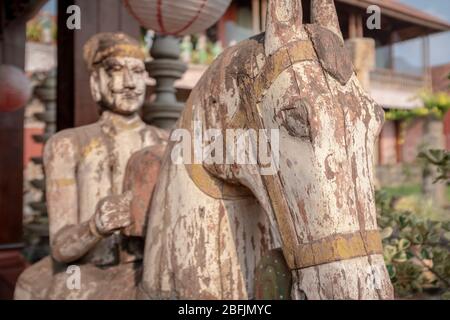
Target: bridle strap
<point x="338" y="247"/>
<point x="281" y="60"/>
<point x="205" y="181"/>
<point x="275" y="64"/>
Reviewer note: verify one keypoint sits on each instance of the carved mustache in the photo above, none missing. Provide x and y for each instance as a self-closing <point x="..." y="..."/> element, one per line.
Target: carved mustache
<point x="128" y="93"/>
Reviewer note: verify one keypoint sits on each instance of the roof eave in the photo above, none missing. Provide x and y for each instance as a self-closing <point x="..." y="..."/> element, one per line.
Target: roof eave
<point x="436" y="25"/>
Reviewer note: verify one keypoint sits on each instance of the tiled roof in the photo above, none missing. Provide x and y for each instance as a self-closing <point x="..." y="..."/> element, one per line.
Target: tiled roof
<point x="400" y="11"/>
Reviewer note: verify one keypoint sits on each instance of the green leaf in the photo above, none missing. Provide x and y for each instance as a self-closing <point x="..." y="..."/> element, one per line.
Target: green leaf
<point x="403" y="220"/>
<point x="391" y="271"/>
<point x="433" y="238"/>
<point x="417" y="238"/>
<point x="400" y="257"/>
<point x="403" y="244"/>
<point x="389" y="252"/>
<point x="386" y="232"/>
<point x="426" y="253"/>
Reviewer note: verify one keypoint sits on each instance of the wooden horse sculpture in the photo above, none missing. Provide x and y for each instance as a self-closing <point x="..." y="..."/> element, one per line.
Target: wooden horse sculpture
<point x="211" y="223"/>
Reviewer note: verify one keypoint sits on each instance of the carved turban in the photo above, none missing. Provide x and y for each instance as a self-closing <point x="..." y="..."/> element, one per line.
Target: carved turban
<point x="108" y="44"/>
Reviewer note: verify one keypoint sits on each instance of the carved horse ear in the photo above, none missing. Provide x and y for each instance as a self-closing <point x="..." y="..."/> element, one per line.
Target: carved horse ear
<point x="282" y="17"/>
<point x="328" y="41"/>
<point x="323" y="13"/>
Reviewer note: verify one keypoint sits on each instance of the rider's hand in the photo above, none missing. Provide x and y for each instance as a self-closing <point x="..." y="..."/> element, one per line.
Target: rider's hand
<point x="113" y="213"/>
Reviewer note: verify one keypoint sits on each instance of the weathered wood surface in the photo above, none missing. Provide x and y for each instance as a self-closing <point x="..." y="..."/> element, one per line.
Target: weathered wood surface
<point x="140" y="179"/>
<point x="204" y="241"/>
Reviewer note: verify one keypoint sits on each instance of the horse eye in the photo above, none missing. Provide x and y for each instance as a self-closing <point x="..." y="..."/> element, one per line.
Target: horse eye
<point x="295" y="120"/>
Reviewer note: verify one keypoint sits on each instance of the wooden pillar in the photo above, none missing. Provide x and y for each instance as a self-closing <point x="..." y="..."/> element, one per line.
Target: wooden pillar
<point x="392" y="38"/>
<point x="166" y="67"/>
<point x="256" y="16"/>
<point x="12" y="51"/>
<point x="75" y="104"/>
<point x="362" y="51"/>
<point x="426" y="61"/>
<point x="229" y="15"/>
<point x="221" y="33"/>
<point x="433" y="138"/>
<point x="263" y="14"/>
<point x="399" y="137"/>
<point x="447" y="131"/>
<point x="355" y="25"/>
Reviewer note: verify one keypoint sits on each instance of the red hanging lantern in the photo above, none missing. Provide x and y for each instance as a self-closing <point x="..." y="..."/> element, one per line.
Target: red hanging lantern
<point x="175" y="17"/>
<point x="15" y="88"/>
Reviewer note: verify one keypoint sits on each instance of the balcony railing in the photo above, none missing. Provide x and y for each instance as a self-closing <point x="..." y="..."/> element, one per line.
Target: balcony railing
<point x="392" y="78"/>
<point x="393" y="89"/>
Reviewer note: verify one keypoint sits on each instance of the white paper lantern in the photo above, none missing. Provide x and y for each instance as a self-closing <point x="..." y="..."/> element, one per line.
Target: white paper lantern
<point x="177" y="17"/>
